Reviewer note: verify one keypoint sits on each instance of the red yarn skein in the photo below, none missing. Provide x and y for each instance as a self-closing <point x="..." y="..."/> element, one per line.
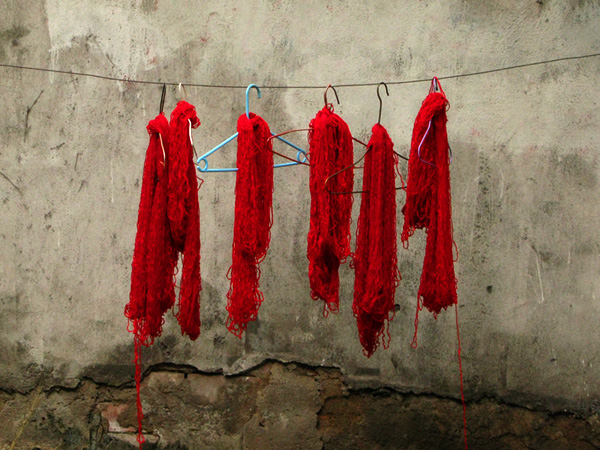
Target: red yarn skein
<point x="252" y="223"/>
<point x="184" y="216"/>
<point x="331" y="150"/>
<point x="152" y="292"/>
<point x="375" y="259"/>
<point x="428" y="204"/>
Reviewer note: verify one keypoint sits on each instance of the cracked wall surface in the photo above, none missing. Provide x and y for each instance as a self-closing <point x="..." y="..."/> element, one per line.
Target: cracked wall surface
<point x="278" y="406"/>
<point x="525" y="208"/>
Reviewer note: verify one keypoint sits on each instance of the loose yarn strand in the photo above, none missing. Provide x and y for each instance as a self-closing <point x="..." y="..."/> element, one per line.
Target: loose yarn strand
<point x="462" y="391"/>
<point x="419" y="308"/>
<point x="138" y="381"/>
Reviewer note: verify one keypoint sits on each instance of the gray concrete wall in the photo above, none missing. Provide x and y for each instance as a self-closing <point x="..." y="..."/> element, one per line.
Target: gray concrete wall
<point x="524" y="182"/>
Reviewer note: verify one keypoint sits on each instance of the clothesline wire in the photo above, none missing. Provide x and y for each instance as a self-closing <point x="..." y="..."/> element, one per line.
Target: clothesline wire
<point x="232" y="86"/>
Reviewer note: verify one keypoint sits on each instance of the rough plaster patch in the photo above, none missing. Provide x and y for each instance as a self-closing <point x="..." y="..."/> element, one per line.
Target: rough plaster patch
<point x="130" y="41"/>
<point x="278" y="406"/>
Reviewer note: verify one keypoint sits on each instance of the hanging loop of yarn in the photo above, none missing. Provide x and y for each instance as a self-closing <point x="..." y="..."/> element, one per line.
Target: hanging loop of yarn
<point x="375" y="260"/>
<point x="428" y="204"/>
<point x="331" y="150"/>
<point x="252" y="223"/>
<point x="184" y="216"/>
<point x="152" y="292"/>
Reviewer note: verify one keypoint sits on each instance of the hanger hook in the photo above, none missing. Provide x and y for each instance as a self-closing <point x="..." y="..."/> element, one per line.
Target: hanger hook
<point x="162" y="98"/>
<point x="334" y="91"/>
<point x="248" y="95"/>
<point x="181" y="86"/>
<point x="436" y="86"/>
<point x="381" y="101"/>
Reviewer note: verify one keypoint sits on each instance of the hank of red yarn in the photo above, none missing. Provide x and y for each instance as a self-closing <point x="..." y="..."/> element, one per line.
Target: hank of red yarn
<point x="375" y="259"/>
<point x="252" y="223"/>
<point x="331" y="150"/>
<point x="152" y="292"/>
<point x="184" y="216"/>
<point x="428" y="204"/>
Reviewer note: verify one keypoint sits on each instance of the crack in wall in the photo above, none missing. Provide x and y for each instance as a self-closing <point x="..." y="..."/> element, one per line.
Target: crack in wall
<point x="186" y="407"/>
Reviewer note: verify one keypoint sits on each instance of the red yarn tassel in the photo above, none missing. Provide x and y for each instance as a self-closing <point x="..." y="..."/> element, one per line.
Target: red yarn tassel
<point x="428" y="204"/>
<point x="252" y="223"/>
<point x="151" y="287"/>
<point x="375" y="260"/>
<point x="184" y="216"/>
<point x="331" y="150"/>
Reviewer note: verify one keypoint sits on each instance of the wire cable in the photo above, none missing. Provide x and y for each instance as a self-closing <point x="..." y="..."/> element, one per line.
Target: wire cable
<point x="320" y="86"/>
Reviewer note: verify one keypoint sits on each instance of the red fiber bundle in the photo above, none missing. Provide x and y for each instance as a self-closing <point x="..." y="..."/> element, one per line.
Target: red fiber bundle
<point x="428" y="204"/>
<point x="375" y="258"/>
<point x="184" y="216"/>
<point x="152" y="292"/>
<point x="252" y="223"/>
<point x="331" y="151"/>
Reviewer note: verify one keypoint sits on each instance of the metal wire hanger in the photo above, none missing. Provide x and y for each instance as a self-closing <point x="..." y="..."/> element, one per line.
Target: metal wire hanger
<point x="329" y="106"/>
<point x="365" y="154"/>
<point x="435" y="87"/>
<point x="161" y="111"/>
<point x="202" y="162"/>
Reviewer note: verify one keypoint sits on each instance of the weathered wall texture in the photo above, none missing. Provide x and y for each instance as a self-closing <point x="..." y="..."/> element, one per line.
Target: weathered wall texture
<point x="525" y="200"/>
<point x="277" y="406"/>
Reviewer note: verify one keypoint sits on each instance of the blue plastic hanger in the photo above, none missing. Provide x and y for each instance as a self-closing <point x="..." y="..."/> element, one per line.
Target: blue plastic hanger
<point x="202" y="162"/>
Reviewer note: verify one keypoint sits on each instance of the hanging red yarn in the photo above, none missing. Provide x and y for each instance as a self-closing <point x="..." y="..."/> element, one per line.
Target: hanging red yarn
<point x="252" y="223"/>
<point x="184" y="216"/>
<point x="152" y="292"/>
<point x="375" y="259"/>
<point x="331" y="150"/>
<point x="428" y="204"/>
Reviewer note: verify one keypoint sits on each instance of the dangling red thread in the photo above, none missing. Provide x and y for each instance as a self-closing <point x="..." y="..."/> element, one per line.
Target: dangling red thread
<point x="462" y="390"/>
<point x="375" y="260"/>
<point x="152" y="292"/>
<point x="252" y="222"/>
<point x="168" y="224"/>
<point x="184" y="216"/>
<point x="429" y="205"/>
<point x="331" y="150"/>
<point x="138" y="383"/>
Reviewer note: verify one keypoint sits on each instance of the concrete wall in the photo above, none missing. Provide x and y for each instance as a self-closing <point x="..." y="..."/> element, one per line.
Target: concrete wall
<point x="524" y="182"/>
